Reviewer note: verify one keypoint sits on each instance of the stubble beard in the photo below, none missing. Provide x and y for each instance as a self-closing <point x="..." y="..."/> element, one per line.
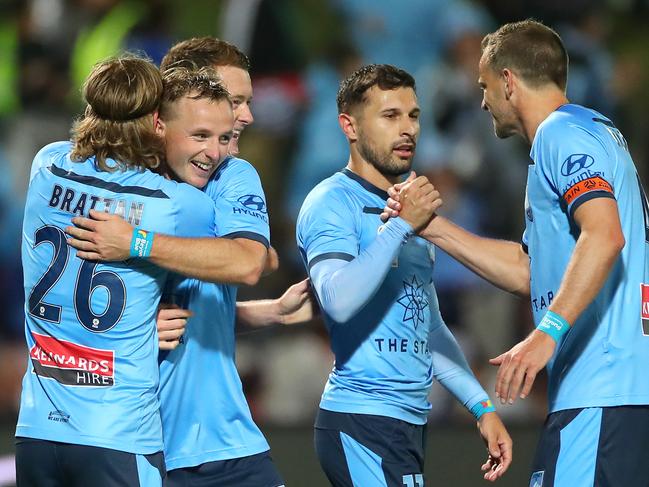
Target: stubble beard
<point x="385" y="163"/>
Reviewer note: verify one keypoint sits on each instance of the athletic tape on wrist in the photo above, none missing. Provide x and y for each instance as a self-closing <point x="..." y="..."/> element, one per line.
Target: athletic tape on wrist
<point x="141" y="243"/>
<point x="554" y="325"/>
<point x="482" y="407"/>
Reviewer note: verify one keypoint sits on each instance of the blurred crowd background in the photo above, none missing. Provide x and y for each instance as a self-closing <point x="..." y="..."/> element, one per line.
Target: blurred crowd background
<point x="300" y="50"/>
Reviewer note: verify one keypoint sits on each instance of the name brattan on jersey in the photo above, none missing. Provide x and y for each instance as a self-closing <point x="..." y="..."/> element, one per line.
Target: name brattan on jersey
<point x="72" y="364"/>
<point x="79" y="203"/>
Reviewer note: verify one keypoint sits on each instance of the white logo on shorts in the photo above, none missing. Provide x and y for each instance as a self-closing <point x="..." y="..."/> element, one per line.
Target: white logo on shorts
<point x="537" y="479"/>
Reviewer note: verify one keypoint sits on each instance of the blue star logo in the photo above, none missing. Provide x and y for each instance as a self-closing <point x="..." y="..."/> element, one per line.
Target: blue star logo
<point x="414" y="301"/>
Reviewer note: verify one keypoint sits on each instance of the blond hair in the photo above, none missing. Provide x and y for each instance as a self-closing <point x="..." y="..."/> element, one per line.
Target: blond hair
<point x="122" y="94"/>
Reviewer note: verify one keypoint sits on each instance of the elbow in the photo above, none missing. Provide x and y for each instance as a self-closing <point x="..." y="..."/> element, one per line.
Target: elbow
<point x="339" y="314"/>
<point x="611" y="243"/>
<point x="617" y="243"/>
<point x="335" y="307"/>
<point x="523" y="289"/>
<point x="252" y="274"/>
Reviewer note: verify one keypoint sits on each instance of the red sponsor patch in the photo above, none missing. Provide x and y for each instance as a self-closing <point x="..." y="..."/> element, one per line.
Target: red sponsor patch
<point x="595" y="183"/>
<point x="644" y="312"/>
<point x="72" y="364"/>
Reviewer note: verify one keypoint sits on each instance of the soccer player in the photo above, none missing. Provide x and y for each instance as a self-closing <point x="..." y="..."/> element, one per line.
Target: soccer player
<point x="374" y="285"/>
<point x="212" y="438"/>
<point x="89" y="412"/>
<point x="583" y="261"/>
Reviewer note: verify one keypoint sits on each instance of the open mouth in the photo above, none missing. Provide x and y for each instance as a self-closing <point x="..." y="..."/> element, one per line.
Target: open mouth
<point x="202" y="166"/>
<point x="404" y="150"/>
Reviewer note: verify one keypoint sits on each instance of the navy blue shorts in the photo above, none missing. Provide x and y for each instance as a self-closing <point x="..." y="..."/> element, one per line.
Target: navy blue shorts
<point x="363" y="449"/>
<point x="42" y="463"/>
<point x="593" y="447"/>
<point x="251" y="471"/>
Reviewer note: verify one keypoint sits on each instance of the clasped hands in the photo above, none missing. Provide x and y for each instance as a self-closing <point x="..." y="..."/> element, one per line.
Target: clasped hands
<point x="415" y="200"/>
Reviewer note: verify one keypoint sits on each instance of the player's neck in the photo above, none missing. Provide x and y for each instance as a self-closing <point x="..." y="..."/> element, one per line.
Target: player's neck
<point x="539" y="106"/>
<point x="371" y="174"/>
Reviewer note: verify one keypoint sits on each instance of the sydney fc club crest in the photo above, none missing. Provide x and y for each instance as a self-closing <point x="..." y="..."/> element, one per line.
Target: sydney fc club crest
<point x="414" y="301"/>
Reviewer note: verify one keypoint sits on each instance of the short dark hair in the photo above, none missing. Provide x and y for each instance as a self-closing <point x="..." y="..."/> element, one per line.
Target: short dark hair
<point x="179" y="82"/>
<point x="385" y="76"/>
<point x="200" y="52"/>
<point x="532" y="50"/>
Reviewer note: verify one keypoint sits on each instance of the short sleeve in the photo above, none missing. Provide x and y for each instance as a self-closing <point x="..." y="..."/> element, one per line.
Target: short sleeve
<point x="326" y="229"/>
<point x="578" y="165"/>
<point x="241" y="210"/>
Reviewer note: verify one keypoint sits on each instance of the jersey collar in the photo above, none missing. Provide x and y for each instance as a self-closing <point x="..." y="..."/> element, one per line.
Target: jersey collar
<point x="366" y="184"/>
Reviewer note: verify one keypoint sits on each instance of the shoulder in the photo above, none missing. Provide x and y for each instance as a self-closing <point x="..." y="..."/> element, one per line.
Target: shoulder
<point x="568" y="122"/>
<point x="331" y="196"/>
<point x="54" y="150"/>
<point x="234" y="167"/>
<point x="332" y="189"/>
<point x="567" y="128"/>
<point x="186" y="192"/>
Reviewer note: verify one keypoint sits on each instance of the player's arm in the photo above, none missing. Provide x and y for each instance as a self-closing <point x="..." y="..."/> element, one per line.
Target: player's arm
<point x="453" y="372"/>
<point x="106" y="237"/>
<point x="345" y="286"/>
<point x="598" y="246"/>
<point x="231" y="261"/>
<point x="271" y="264"/>
<point x="297" y="305"/>
<point x="502" y="263"/>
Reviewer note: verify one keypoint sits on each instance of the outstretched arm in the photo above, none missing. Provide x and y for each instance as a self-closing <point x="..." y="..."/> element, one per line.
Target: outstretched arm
<point x="502" y="263"/>
<point x="599" y="244"/>
<point x="106" y="237"/>
<point x="297" y="305"/>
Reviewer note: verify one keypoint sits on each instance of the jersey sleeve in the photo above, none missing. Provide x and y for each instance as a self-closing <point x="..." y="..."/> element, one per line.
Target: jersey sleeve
<point x="450" y="367"/>
<point x="336" y="281"/>
<point x="326" y="229"/>
<point x="241" y="210"/>
<point x="577" y="164"/>
<point x="194" y="212"/>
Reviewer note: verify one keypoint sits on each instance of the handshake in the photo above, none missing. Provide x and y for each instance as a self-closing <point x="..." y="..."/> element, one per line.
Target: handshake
<point x="415" y="200"/>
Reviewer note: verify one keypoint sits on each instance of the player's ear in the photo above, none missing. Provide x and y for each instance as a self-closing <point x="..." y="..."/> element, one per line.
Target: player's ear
<point x="158" y="124"/>
<point x="508" y="78"/>
<point x="348" y="125"/>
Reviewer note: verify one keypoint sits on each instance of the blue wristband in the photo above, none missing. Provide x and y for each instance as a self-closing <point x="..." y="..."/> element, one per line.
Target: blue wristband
<point x="141" y="243"/>
<point x="554" y="325"/>
<point x="482" y="407"/>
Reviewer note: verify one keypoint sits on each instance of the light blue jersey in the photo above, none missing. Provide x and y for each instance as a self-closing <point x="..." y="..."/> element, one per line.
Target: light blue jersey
<point x="92" y="376"/>
<point x="602" y="360"/>
<point x="387" y="353"/>
<point x="204" y="411"/>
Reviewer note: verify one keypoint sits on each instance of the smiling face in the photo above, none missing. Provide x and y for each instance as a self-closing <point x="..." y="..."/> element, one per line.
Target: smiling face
<point x="237" y="81"/>
<point x="495" y="101"/>
<point x="387" y="129"/>
<point x="197" y="135"/>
